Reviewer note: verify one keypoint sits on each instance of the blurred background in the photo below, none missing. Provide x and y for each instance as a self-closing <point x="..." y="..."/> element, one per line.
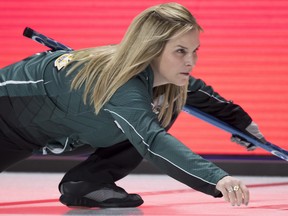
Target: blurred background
<point x="243" y="55"/>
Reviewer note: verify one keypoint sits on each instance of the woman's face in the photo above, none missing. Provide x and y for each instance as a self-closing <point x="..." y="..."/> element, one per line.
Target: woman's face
<point x="177" y="59"/>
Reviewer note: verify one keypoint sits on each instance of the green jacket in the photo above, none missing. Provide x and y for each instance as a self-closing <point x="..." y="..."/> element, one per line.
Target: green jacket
<point x="54" y="118"/>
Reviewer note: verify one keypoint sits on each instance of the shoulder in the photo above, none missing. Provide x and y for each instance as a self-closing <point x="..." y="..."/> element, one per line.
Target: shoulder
<point x="136" y="90"/>
<point x="141" y="83"/>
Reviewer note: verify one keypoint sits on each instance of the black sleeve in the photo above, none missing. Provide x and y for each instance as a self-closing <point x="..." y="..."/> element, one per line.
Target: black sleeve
<point x="207" y="100"/>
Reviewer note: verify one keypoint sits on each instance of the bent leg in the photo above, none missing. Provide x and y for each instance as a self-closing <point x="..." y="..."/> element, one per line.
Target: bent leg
<point x="91" y="183"/>
<point x="106" y="165"/>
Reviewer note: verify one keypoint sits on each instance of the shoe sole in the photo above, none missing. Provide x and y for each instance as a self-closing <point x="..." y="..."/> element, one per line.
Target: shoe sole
<point x="85" y="202"/>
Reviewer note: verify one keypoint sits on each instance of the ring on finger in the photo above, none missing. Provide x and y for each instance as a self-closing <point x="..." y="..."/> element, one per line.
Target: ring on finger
<point x="236" y="188"/>
<point x="230" y="190"/>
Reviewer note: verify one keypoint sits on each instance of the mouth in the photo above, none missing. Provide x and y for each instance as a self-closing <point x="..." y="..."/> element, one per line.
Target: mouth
<point x="184" y="73"/>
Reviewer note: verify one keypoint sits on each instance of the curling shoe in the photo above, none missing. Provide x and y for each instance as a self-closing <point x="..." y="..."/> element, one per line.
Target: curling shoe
<point x="86" y="194"/>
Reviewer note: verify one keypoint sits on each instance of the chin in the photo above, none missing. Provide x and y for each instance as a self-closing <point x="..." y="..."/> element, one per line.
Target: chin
<point x="183" y="83"/>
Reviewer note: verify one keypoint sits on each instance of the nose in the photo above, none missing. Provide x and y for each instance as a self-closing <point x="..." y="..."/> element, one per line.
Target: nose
<point x="190" y="60"/>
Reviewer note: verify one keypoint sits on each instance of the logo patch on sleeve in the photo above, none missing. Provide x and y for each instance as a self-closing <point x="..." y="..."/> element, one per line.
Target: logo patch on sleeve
<point x="62" y="61"/>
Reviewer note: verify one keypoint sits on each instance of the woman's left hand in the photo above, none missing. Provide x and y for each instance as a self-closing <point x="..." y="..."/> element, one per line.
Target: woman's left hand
<point x="233" y="190"/>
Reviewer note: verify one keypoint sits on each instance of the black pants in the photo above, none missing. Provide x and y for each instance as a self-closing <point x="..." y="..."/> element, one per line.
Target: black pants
<point x="106" y="165"/>
<point x="11" y="153"/>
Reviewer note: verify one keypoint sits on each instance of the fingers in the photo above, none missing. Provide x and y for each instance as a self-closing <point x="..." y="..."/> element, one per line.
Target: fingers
<point x="234" y="191"/>
<point x="238" y="195"/>
<point x="245" y="194"/>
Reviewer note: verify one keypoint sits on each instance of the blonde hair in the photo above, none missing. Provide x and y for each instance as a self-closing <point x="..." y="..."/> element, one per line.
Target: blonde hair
<point x="107" y="68"/>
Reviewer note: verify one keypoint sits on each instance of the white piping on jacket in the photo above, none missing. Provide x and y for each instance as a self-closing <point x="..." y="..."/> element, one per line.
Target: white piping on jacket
<point x="15" y="82"/>
<point x="222" y="101"/>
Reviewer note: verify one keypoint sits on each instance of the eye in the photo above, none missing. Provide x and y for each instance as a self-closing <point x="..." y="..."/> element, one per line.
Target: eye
<point x="196" y="50"/>
<point x="182" y="51"/>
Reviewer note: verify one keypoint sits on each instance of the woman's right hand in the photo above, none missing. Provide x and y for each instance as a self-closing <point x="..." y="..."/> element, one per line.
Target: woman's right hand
<point x="233" y="190"/>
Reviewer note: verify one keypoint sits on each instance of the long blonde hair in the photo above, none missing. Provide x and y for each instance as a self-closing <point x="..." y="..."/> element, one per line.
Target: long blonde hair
<point x="107" y="68"/>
